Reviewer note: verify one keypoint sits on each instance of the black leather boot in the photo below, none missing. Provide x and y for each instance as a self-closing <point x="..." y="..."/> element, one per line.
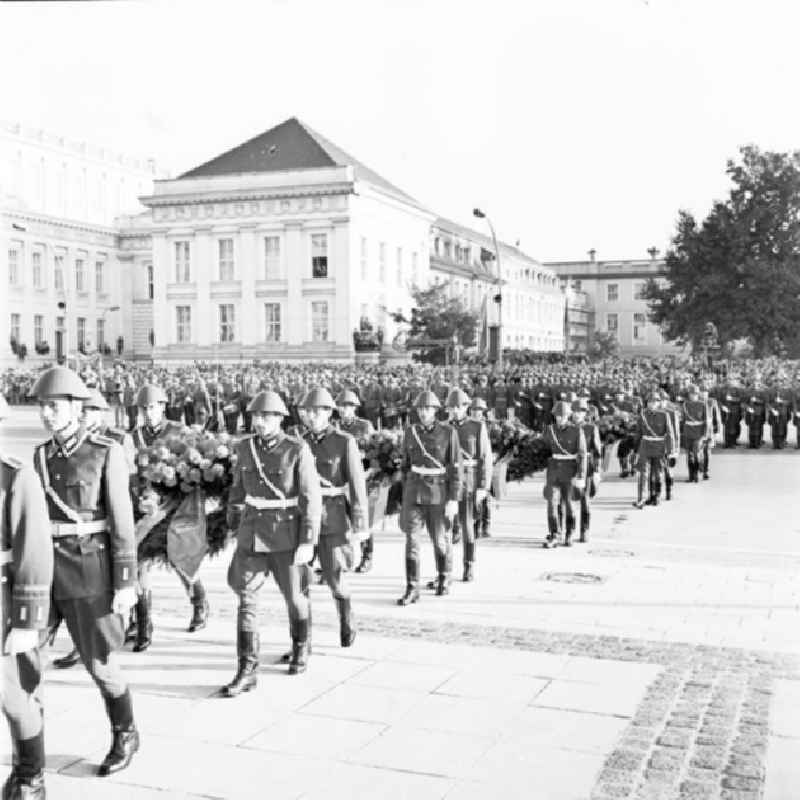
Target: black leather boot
<point x="366" y="556"/>
<point x="144" y="623"/>
<point x="125" y="741"/>
<point x="287" y="656"/>
<point x="584" y="537"/>
<point x="412" y="584"/>
<point x="26" y="779"/>
<point x="347" y="634"/>
<point x="246" y="678"/>
<point x="130" y="631"/>
<point x="299" y="662"/>
<point x="469" y="560"/>
<point x="200" y="607"/>
<point x="69" y="660"/>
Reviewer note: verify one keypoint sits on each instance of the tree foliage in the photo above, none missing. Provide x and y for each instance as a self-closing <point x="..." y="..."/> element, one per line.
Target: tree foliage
<point x="436" y="315"/>
<point x="739" y="268"/>
<point x="604" y="345"/>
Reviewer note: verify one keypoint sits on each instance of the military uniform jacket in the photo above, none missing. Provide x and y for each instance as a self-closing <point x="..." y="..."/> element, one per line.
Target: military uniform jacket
<point x="281" y="469"/>
<point x="594" y="448"/>
<point x="731" y="407"/>
<point x="755" y="413"/>
<point x="144" y="435"/>
<point x="359" y="429"/>
<point x="341" y="478"/>
<point x="655" y="435"/>
<point x="87" y="480"/>
<point x="124" y="439"/>
<point x="27" y="564"/>
<point x="696" y="421"/>
<point x="476" y="453"/>
<point x="779" y="412"/>
<point x="567" y="448"/>
<point x="431" y="464"/>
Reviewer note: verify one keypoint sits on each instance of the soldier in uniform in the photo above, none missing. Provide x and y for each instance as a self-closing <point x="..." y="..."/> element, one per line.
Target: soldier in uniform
<point x="585" y="420"/>
<point x="696" y="425"/>
<point x="731" y="408"/>
<point x="754" y="418"/>
<point x="476" y="459"/>
<point x="715" y="421"/>
<point x="778" y="418"/>
<point x="431" y="488"/>
<point x="483" y="510"/>
<point x="151" y="401"/>
<point x="275" y="507"/>
<point x="674" y="412"/>
<point x="655" y="441"/>
<point x="86" y="482"/>
<point x="361" y="430"/>
<point x="344" y="501"/>
<point x="27" y="565"/>
<point x="566" y="472"/>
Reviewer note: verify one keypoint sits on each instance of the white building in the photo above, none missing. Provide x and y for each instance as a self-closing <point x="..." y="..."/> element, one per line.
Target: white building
<point x="59" y="241"/>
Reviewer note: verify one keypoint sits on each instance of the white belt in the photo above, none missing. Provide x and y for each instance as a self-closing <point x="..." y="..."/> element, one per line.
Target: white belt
<point x="61" y="529"/>
<point x="263" y="502"/>
<point x="334" y="491"/>
<point x="429" y="470"/>
<point x="692" y="422"/>
<point x="560" y="457"/>
<point x="653" y="438"/>
<point x="6" y="557"/>
<point x="469" y="462"/>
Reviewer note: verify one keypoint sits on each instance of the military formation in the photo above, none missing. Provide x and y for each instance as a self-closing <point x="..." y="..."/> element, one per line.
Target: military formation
<point x="299" y="496"/>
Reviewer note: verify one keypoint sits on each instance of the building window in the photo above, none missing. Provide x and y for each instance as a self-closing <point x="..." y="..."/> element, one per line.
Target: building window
<point x="319" y="321"/>
<point x="13" y="265"/>
<point x="399" y="266"/>
<point x="364" y="258"/>
<point x="414" y="269"/>
<point x="183" y="270"/>
<point x="14" y="327"/>
<point x="382" y="262"/>
<point x="38" y="328"/>
<point x="150" y="282"/>
<point x="437" y="243"/>
<point x="81" y="333"/>
<point x="226" y="323"/>
<point x="101" y="334"/>
<point x="638" y="290"/>
<point x="80" y="277"/>
<point x="272" y="258"/>
<point x="612" y="292"/>
<point x="99" y="283"/>
<point x="58" y="272"/>
<point x="272" y="316"/>
<point x="183" y="320"/>
<point x="612" y="324"/>
<point x="226" y="259"/>
<point x="577" y="284"/>
<point x="448" y="251"/>
<point x="639" y="322"/>
<point x="36" y="257"/>
<point x="319" y="255"/>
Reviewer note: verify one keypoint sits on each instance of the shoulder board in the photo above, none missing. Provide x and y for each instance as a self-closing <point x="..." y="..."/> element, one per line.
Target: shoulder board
<point x="10" y="461"/>
<point x="98" y="438"/>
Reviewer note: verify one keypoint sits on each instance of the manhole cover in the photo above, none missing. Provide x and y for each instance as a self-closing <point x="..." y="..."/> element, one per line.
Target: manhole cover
<point x="612" y="553"/>
<point x="572" y="577"/>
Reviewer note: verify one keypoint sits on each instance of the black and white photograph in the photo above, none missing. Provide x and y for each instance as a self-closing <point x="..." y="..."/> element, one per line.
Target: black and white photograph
<point x="400" y="400"/>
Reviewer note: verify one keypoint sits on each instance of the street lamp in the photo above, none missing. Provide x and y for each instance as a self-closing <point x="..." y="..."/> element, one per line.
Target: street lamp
<point x="476" y="212"/>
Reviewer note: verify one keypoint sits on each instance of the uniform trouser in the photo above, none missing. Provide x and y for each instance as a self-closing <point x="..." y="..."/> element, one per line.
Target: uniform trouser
<point x="558" y="493"/>
<point x="650" y="469"/>
<point x="21" y="692"/>
<point x="246" y="575"/>
<point x="755" y="434"/>
<point x="694" y="451"/>
<point x="779" y="433"/>
<point x="231" y="422"/>
<point x="705" y="455"/>
<point x="335" y="559"/>
<point x="390" y="420"/>
<point x="143" y="579"/>
<point x="483" y="516"/>
<point x="120" y="416"/>
<point x="586" y="511"/>
<point x="248" y="421"/>
<point x="731" y="435"/>
<point x="133" y="413"/>
<point x="188" y="414"/>
<point x="416" y="518"/>
<point x="465" y="522"/>
<point x="97" y="633"/>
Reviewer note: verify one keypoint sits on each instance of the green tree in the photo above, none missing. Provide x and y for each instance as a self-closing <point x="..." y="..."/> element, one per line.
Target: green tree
<point x="435" y="315"/>
<point x="740" y="268"/>
<point x="604" y="345"/>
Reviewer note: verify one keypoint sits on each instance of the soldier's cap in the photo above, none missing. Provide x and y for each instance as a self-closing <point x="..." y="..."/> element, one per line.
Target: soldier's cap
<point x="59" y="382"/>
<point x="347" y="398"/>
<point x="268" y="403"/>
<point x="457" y="398"/>
<point x="581" y="404"/>
<point x="95" y="401"/>
<point x="318" y="398"/>
<point x="478" y="402"/>
<point x="150" y="393"/>
<point x="562" y="409"/>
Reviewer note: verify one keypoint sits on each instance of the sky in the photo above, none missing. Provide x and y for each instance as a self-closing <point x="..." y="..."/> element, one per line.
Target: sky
<point x="574" y="124"/>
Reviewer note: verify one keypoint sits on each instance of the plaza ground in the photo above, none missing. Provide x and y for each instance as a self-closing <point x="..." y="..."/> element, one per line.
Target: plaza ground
<point x="660" y="660"/>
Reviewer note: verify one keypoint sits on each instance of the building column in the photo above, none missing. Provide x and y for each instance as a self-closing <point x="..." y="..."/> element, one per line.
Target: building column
<point x="205" y="317"/>
<point x="163" y="316"/>
<point x="296" y="311"/>
<point x="251" y="322"/>
<point x="340" y="315"/>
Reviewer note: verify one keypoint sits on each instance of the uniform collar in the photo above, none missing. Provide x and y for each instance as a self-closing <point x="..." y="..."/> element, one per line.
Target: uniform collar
<point x="268" y="441"/>
<point x="67" y="447"/>
<point x="155" y="430"/>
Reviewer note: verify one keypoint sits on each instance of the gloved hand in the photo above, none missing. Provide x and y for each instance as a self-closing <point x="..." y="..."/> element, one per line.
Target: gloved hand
<point x="480" y="496"/>
<point x="672" y="461"/>
<point x="124" y="601"/>
<point x="20" y="640"/>
<point x="362" y="534"/>
<point x="303" y="554"/>
<point x="579" y="483"/>
<point x="451" y="508"/>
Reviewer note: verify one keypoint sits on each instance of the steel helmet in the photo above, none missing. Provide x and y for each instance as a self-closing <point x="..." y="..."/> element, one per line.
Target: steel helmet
<point x="427" y="400"/>
<point x="59" y="382"/>
<point x="478" y="402"/>
<point x="96" y="400"/>
<point x="3" y="407"/>
<point x="562" y="409"/>
<point x="580" y="404"/>
<point x="458" y="397"/>
<point x="347" y="398"/>
<point x="318" y="398"/>
<point x="149" y="394"/>
<point x="268" y="403"/>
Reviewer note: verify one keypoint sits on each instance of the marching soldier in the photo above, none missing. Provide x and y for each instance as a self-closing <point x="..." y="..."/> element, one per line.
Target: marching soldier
<point x="731" y="408"/>
<point x="152" y="401"/>
<point x="674" y="412"/>
<point x="275" y="507"/>
<point x="86" y="483"/>
<point x="483" y="510"/>
<point x="566" y="473"/>
<point x="754" y="418"/>
<point x="27" y="565"/>
<point x="778" y="417"/>
<point x="715" y="421"/>
<point x="431" y="488"/>
<point x="585" y="420"/>
<point x="656" y="443"/>
<point x="696" y="426"/>
<point x="361" y="430"/>
<point x="476" y="459"/>
<point x="344" y="501"/>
